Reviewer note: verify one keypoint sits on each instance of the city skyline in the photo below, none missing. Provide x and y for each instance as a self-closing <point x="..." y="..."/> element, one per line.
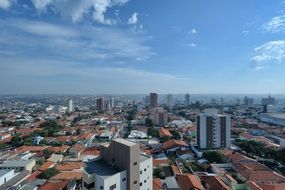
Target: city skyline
<point x="135" y="47"/>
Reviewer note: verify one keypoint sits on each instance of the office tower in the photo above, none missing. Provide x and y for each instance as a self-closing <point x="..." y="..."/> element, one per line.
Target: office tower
<point x="169" y="100"/>
<point x="268" y="101"/>
<point x="187" y="100"/>
<point x="222" y="101"/>
<point x="213" y="130"/>
<point x="112" y="102"/>
<point x="140" y="107"/>
<point x="153" y="100"/>
<point x="147" y="100"/>
<point x="159" y="116"/>
<point x="248" y="101"/>
<point x="121" y="166"/>
<point x="70" y="106"/>
<point x="100" y="104"/>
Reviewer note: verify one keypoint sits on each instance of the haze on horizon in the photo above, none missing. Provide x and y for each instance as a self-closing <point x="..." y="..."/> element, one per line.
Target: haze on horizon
<point x="138" y="46"/>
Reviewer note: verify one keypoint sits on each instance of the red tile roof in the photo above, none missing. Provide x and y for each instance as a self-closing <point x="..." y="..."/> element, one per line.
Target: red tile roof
<point x="175" y="169"/>
<point x="157" y="163"/>
<point x="69" y="166"/>
<point x="25" y="148"/>
<point x="68" y="176"/>
<point x="55" y="185"/>
<point x="164" y="132"/>
<point x="62" y="148"/>
<point x="46" y="165"/>
<point x="174" y="143"/>
<point x="215" y="183"/>
<point x="189" y="181"/>
<point x="156" y="183"/>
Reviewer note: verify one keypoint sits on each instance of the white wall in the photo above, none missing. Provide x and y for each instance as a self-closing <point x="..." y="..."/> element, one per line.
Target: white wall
<point x="7" y="176"/>
<point x="146" y="176"/>
<point x="114" y="179"/>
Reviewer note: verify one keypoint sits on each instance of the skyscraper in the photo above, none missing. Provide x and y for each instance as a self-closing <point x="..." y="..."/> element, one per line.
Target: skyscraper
<point x="169" y="100"/>
<point x="153" y="100"/>
<point x="213" y="130"/>
<point x="70" y="106"/>
<point x="248" y="101"/>
<point x="112" y="102"/>
<point x="100" y="104"/>
<point x="187" y="100"/>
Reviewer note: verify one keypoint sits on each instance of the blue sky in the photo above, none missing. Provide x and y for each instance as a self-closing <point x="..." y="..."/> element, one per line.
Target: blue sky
<point x="138" y="46"/>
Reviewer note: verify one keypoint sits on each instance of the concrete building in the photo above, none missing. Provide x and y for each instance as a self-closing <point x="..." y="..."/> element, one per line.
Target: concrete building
<point x="70" y="106"/>
<point x="248" y="101"/>
<point x="120" y="166"/>
<point x="153" y="100"/>
<point x="18" y="165"/>
<point x="112" y="102"/>
<point x="159" y="116"/>
<point x="213" y="130"/>
<point x="100" y="104"/>
<point x="169" y="100"/>
<point x="268" y="101"/>
<point x="187" y="100"/>
<point x="6" y="175"/>
<point x="273" y="118"/>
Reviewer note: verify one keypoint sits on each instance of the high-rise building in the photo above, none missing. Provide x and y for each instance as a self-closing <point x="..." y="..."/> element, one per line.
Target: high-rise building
<point x="248" y="101"/>
<point x="268" y="101"/>
<point x="140" y="107"/>
<point x="153" y="100"/>
<point x="169" y="100"/>
<point x="187" y="100"/>
<point x="100" y="104"/>
<point x="112" y="102"/>
<point x="159" y="116"/>
<point x="213" y="130"/>
<point x="70" y="106"/>
<point x="120" y="166"/>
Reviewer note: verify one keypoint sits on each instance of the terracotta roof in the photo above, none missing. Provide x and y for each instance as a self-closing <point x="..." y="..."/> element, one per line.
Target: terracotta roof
<point x="189" y="182"/>
<point x="157" y="163"/>
<point x="277" y="186"/>
<point x="85" y="136"/>
<point x="46" y="165"/>
<point x="175" y="169"/>
<point x="25" y="148"/>
<point x="164" y="132"/>
<point x="236" y="156"/>
<point x="174" y="143"/>
<point x="69" y="166"/>
<point x="68" y="176"/>
<point x="91" y="151"/>
<point x="156" y="183"/>
<point x="62" y="148"/>
<point x="34" y="175"/>
<point x="215" y="183"/>
<point x="262" y="176"/>
<point x="55" y="185"/>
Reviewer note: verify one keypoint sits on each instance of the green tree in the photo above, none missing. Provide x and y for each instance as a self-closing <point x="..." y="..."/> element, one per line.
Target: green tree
<point x="151" y="131"/>
<point x="176" y="135"/>
<point x="148" y="122"/>
<point x="47" y="153"/>
<point x="48" y="173"/>
<point x="214" y="157"/>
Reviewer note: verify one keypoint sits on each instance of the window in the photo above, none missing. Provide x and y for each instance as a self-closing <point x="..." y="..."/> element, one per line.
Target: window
<point x="89" y="186"/>
<point x="144" y="181"/>
<point x="124" y="179"/>
<point x="145" y="169"/>
<point x="101" y="187"/>
<point x="112" y="187"/>
<point x="140" y="183"/>
<point x="135" y="182"/>
<point x="135" y="163"/>
<point x="141" y="171"/>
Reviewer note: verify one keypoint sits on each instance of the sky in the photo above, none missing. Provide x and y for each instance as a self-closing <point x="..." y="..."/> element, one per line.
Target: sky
<point x="139" y="46"/>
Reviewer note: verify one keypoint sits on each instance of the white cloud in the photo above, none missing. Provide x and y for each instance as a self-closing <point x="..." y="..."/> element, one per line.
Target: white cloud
<point x="275" y="25"/>
<point x="76" y="10"/>
<point x="133" y="19"/>
<point x="193" y="31"/>
<point x="191" y="45"/>
<point x="268" y="53"/>
<point x="5" y="4"/>
<point x="84" y="43"/>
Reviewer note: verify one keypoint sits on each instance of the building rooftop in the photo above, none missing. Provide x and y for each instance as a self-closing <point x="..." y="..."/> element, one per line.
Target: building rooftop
<point x="3" y="172"/>
<point x="15" y="163"/>
<point x="101" y="168"/>
<point x="125" y="142"/>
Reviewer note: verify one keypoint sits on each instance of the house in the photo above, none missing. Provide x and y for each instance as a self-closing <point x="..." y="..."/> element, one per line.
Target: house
<point x="164" y="133"/>
<point x="173" y="145"/>
<point x="189" y="181"/>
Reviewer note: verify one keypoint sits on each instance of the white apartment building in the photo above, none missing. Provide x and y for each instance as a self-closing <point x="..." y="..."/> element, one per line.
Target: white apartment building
<point x="213" y="130"/>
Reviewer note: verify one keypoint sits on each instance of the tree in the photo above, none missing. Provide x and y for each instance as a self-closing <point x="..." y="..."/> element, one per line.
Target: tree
<point x="78" y="131"/>
<point x="16" y="140"/>
<point x="214" y="157"/>
<point x="47" y="153"/>
<point x="48" y="173"/>
<point x="68" y="133"/>
<point x="176" y="135"/>
<point x="151" y="131"/>
<point x="148" y="122"/>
